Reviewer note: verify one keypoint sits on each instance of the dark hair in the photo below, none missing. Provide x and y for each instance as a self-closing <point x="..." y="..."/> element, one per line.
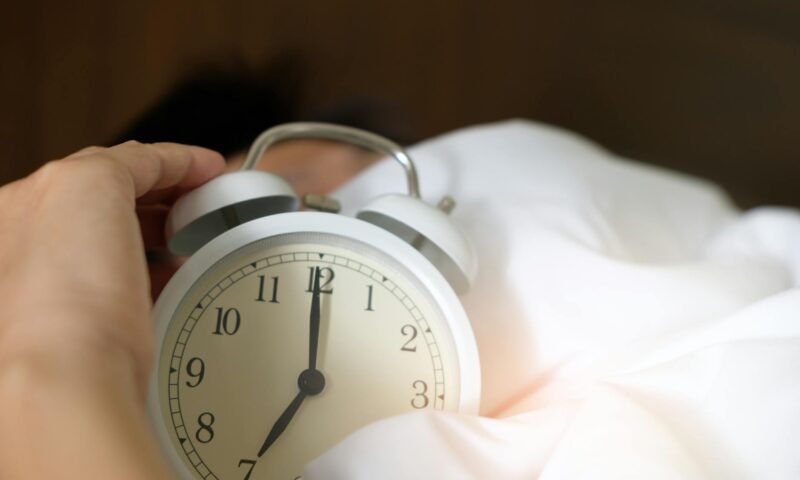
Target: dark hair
<point x="225" y="109"/>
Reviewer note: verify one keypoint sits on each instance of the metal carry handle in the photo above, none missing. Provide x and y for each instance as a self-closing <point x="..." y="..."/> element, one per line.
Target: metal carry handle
<point x="330" y="131"/>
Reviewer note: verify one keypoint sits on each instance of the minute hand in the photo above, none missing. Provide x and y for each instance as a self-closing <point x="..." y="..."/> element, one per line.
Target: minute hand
<point x="313" y="339"/>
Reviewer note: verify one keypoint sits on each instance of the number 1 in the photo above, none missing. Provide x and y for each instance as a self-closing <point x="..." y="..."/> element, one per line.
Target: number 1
<point x="369" y="299"/>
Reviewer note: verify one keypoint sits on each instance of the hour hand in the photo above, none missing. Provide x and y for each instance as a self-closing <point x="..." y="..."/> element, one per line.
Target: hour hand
<point x="282" y="422"/>
<point x="310" y="382"/>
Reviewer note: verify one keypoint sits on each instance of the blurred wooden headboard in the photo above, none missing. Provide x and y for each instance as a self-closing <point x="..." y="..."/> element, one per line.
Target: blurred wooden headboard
<point x="707" y="87"/>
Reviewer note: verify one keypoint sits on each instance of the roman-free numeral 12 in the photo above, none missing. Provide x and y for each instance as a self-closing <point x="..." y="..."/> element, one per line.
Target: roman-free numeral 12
<point x="326" y="275"/>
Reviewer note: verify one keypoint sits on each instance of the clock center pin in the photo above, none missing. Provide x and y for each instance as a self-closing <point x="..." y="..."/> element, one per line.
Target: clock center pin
<point x="311" y="381"/>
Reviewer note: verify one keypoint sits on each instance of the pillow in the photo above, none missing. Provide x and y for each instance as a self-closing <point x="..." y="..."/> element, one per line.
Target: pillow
<point x="631" y="322"/>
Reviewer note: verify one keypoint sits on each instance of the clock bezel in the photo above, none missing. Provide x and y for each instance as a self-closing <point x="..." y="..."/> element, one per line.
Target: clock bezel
<point x="440" y="291"/>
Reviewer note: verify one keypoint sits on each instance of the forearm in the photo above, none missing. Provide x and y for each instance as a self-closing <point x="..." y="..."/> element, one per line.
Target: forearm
<point x="74" y="417"/>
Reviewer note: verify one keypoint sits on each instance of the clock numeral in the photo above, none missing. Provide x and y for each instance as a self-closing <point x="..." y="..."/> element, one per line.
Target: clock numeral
<point x="409" y="330"/>
<point x="252" y="464"/>
<point x="205" y="433"/>
<point x="228" y="321"/>
<point x="261" y="282"/>
<point x="420" y="399"/>
<point x="369" y="299"/>
<point x="325" y="278"/>
<point x="197" y="373"/>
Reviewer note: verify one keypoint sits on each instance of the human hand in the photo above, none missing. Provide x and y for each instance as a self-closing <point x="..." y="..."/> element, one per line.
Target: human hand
<point x="75" y="333"/>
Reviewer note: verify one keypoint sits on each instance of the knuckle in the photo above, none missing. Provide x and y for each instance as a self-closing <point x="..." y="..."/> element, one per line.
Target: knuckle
<point x="132" y="143"/>
<point x="88" y="151"/>
<point x="54" y="171"/>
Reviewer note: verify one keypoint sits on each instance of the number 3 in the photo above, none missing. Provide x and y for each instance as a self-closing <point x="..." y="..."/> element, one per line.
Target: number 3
<point x="420" y="399"/>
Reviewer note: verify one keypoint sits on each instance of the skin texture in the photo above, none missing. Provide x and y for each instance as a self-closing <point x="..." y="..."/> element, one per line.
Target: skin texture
<point x="75" y="338"/>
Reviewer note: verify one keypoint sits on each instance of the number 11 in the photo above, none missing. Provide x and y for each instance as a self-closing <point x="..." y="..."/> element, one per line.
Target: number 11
<point x="261" y="281"/>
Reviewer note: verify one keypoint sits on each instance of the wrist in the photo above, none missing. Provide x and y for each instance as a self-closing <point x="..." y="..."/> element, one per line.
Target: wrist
<point x="62" y="406"/>
<point x="83" y="342"/>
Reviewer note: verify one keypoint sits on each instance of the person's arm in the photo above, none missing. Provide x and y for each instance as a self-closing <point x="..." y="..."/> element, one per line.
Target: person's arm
<point x="75" y="333"/>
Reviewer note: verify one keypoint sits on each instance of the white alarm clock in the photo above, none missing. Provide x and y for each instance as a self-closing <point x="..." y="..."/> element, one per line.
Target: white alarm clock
<point x="287" y="330"/>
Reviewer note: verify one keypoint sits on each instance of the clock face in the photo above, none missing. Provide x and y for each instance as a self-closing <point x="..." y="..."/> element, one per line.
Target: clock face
<point x="257" y="377"/>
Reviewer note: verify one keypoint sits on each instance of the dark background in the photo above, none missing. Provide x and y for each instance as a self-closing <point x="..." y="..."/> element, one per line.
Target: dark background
<point x="707" y="87"/>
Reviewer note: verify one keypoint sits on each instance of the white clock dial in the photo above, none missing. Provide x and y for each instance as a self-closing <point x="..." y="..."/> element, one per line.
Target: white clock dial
<point x="236" y="346"/>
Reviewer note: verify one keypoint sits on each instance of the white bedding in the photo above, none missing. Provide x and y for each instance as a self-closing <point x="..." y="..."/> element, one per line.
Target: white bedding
<point x="631" y="322"/>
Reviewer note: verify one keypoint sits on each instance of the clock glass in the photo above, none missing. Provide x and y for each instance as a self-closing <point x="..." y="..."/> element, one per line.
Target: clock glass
<point x="286" y="345"/>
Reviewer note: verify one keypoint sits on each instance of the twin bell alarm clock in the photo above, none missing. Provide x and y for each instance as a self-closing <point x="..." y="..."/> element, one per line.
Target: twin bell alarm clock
<point x="287" y="330"/>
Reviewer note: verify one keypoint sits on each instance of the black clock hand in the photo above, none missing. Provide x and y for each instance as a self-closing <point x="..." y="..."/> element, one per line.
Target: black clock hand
<point x="313" y="339"/>
<point x="310" y="382"/>
<point x="282" y="422"/>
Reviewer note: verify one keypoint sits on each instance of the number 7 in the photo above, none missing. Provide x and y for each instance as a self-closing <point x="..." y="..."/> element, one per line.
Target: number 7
<point x="252" y="464"/>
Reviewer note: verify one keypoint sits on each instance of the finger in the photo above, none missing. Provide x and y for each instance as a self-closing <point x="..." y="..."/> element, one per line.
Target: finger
<point x="168" y="196"/>
<point x="151" y="222"/>
<point x="86" y="151"/>
<point x="165" y="165"/>
<point x="206" y="164"/>
<point x="165" y="196"/>
<point x="161" y="273"/>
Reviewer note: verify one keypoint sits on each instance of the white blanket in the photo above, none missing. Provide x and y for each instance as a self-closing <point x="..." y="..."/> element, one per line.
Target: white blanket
<point x="631" y="322"/>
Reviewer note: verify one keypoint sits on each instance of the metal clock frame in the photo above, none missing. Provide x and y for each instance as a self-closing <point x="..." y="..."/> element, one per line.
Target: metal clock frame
<point x="443" y="296"/>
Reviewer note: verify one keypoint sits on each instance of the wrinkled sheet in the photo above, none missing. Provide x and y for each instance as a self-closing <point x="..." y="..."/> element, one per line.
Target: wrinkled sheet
<point x="631" y="322"/>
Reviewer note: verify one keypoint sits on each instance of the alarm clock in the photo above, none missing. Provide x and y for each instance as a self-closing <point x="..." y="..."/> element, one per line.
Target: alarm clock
<point x="288" y="329"/>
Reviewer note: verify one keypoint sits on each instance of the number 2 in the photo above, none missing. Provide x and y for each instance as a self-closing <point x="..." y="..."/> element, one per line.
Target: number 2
<point x="409" y="330"/>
